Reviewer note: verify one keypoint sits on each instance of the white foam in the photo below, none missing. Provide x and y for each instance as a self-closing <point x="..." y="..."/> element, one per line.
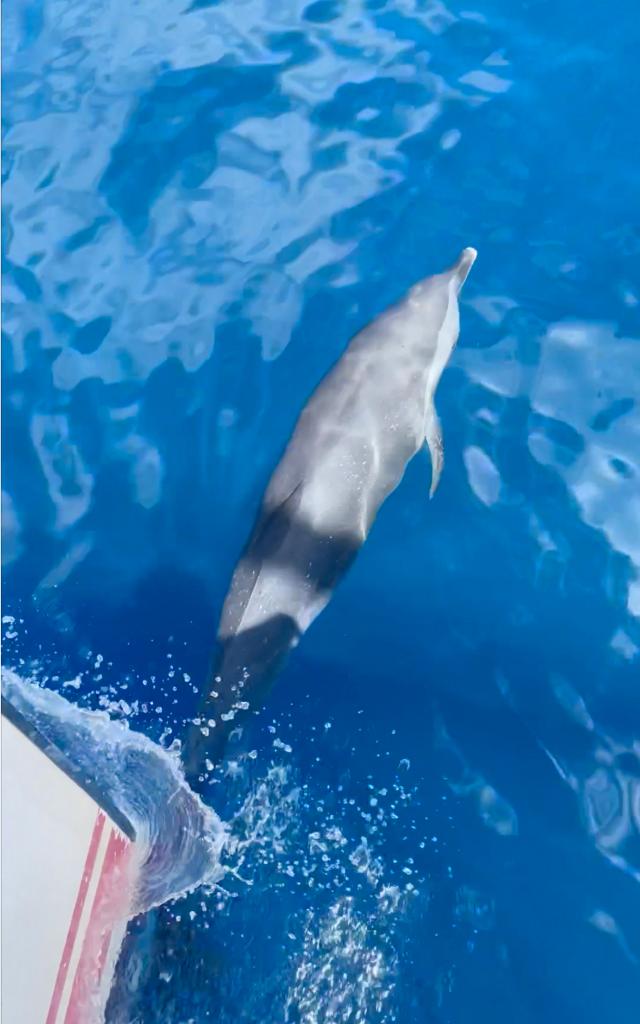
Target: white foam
<point x="180" y="837"/>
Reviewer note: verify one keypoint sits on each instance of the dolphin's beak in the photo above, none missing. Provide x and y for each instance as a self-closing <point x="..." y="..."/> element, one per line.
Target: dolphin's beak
<point x="463" y="265"/>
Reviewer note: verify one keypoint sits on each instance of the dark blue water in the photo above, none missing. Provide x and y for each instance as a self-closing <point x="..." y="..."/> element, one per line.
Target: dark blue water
<point x="202" y="203"/>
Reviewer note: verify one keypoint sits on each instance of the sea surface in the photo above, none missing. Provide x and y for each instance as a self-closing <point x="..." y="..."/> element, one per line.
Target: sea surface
<point x="436" y="817"/>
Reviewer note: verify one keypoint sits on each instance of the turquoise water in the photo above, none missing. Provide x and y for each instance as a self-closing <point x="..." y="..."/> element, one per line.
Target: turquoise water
<point x="437" y="816"/>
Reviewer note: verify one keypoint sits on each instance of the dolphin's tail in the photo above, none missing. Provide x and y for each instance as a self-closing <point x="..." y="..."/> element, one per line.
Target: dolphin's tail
<point x="462" y="266"/>
<point x="238" y="685"/>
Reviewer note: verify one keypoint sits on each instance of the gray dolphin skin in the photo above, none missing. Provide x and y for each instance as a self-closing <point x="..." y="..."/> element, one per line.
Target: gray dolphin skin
<point x="355" y="436"/>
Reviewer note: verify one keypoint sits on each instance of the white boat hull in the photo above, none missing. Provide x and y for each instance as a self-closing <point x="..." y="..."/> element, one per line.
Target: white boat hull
<point x="67" y="877"/>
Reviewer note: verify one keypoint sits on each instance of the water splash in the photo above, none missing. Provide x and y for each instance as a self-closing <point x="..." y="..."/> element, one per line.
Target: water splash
<point x="180" y="839"/>
<point x="318" y="864"/>
<point x="346" y="969"/>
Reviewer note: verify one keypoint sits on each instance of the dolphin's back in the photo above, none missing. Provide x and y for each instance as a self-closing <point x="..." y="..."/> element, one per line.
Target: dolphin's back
<point x="353" y="439"/>
<point x="365" y="421"/>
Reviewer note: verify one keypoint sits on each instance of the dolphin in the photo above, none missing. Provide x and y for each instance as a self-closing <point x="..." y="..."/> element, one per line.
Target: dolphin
<point x="368" y="417"/>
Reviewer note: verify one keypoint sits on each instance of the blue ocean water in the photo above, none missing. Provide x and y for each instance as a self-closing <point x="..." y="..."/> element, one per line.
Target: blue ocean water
<point x="438" y="815"/>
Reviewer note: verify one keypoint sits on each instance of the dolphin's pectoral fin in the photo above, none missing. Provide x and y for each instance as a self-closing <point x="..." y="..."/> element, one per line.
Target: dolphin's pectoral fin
<point x="433" y="439"/>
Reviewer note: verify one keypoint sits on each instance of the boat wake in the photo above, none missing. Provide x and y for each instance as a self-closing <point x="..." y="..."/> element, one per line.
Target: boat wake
<point x="180" y="839"/>
<point x="295" y="858"/>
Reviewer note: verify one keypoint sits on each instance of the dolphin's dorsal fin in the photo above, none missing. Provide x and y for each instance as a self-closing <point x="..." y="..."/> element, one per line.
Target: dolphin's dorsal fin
<point x="433" y="440"/>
